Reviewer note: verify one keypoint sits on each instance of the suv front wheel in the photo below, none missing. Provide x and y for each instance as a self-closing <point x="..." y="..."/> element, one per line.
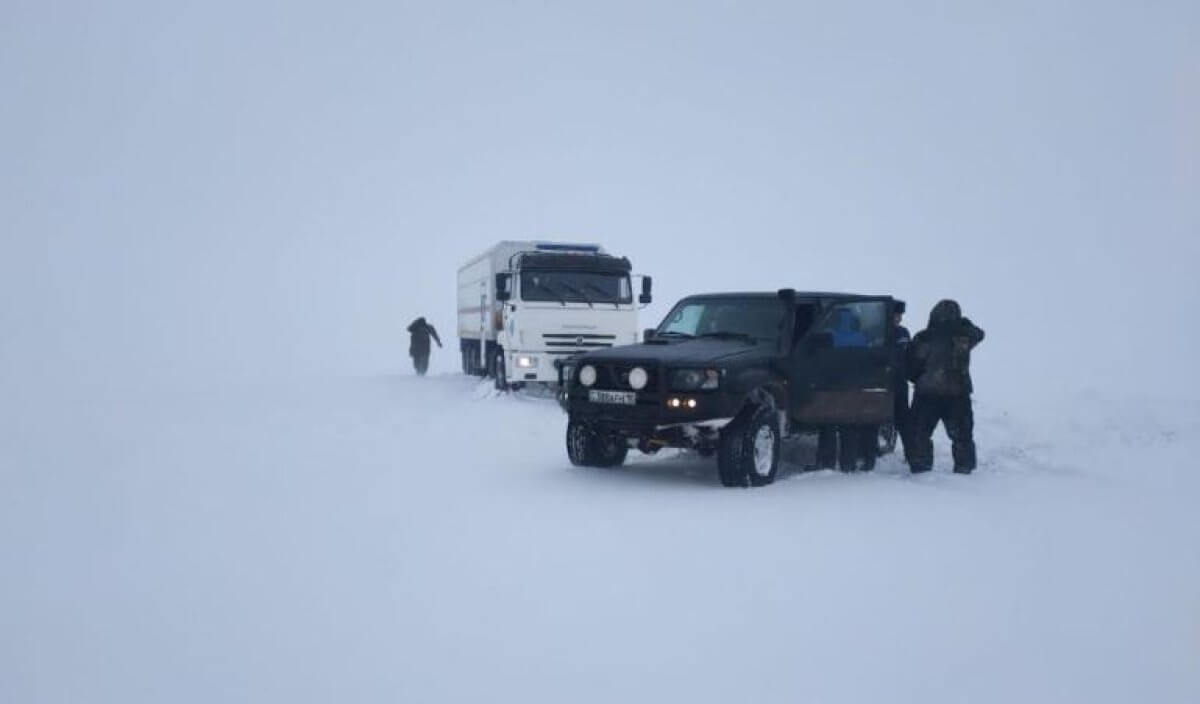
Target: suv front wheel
<point x="748" y="453"/>
<point x="588" y="448"/>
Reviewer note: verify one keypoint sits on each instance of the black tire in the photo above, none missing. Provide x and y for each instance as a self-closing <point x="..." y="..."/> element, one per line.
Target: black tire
<point x="748" y="449"/>
<point x="471" y="360"/>
<point x="588" y="448"/>
<point x="499" y="371"/>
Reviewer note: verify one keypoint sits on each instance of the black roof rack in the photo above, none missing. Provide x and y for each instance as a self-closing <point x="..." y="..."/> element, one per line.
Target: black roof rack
<point x="574" y="262"/>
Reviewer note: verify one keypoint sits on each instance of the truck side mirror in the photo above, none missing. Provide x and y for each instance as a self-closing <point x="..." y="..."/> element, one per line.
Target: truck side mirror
<point x="647" y="284"/>
<point x="647" y="334"/>
<point x="502" y="287"/>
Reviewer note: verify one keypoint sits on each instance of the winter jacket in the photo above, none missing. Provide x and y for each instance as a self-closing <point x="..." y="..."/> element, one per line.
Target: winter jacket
<point x="421" y="331"/>
<point x="848" y="331"/>
<point x="903" y="338"/>
<point x="939" y="357"/>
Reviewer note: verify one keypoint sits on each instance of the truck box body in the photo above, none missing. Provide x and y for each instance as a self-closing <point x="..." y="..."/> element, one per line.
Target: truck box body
<point x="565" y="299"/>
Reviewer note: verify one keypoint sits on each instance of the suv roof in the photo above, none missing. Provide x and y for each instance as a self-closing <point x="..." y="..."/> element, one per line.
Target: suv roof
<point x="775" y="294"/>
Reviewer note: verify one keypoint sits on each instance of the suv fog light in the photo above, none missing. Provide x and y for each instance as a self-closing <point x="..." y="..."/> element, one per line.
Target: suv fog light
<point x="638" y="378"/>
<point x="587" y="375"/>
<point x="526" y="362"/>
<point x="675" y="402"/>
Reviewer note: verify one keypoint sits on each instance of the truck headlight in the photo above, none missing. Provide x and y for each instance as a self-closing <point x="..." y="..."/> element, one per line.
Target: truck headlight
<point x="526" y="362"/>
<point x="638" y="378"/>
<point x="695" y="379"/>
<point x="587" y="375"/>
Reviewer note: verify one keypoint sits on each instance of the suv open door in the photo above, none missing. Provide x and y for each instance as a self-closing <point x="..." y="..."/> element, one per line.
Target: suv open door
<point x="842" y="368"/>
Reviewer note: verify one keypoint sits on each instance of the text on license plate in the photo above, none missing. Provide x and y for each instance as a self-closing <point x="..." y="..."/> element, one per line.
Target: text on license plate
<point x="625" y="398"/>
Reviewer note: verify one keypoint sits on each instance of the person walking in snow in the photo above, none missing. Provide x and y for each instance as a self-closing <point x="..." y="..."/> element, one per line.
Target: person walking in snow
<point x="418" y="347"/>
<point x="939" y="365"/>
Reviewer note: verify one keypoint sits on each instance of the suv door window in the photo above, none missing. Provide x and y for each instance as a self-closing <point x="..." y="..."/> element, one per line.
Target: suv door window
<point x="857" y="324"/>
<point x="842" y="367"/>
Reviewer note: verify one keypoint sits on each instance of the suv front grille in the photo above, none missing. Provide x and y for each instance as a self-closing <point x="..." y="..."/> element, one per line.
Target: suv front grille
<point x="615" y="377"/>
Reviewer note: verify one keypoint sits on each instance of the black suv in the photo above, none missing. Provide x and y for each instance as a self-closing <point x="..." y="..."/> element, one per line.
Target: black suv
<point x="732" y="374"/>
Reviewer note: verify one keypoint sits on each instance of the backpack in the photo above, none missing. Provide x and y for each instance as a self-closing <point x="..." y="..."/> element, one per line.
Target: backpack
<point x="946" y="365"/>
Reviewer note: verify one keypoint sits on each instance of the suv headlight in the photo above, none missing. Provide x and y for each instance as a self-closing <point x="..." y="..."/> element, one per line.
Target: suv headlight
<point x="587" y="375"/>
<point x="695" y="379"/>
<point x="638" y="378"/>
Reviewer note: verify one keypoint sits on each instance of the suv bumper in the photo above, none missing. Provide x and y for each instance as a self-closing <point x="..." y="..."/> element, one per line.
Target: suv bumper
<point x="655" y="412"/>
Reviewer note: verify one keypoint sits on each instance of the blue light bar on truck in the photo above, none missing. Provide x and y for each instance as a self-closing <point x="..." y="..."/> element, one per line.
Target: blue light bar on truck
<point x="568" y="248"/>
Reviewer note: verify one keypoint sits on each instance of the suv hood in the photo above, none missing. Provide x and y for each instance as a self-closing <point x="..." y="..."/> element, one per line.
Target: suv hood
<point x="700" y="351"/>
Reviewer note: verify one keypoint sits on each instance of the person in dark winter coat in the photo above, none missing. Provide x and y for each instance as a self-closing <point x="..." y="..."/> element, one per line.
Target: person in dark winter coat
<point x="418" y="347"/>
<point x="900" y="412"/>
<point x="851" y="447"/>
<point x="939" y="365"/>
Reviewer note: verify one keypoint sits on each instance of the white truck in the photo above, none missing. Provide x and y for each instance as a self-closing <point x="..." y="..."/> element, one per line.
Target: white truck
<point x="524" y="305"/>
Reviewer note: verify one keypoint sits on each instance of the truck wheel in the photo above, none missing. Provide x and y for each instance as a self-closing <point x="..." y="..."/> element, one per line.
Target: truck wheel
<point x="500" y="372"/>
<point x="587" y="448"/>
<point x="748" y="450"/>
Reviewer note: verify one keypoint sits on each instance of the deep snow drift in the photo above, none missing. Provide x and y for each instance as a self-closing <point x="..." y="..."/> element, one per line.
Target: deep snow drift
<point x="403" y="539"/>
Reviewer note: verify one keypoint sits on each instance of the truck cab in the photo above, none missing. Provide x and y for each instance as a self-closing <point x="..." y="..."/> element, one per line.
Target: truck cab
<point x="528" y="305"/>
<point x="733" y="374"/>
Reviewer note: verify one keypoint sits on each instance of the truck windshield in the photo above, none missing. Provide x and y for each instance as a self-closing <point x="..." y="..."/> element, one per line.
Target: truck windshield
<point x="758" y="318"/>
<point x="575" y="286"/>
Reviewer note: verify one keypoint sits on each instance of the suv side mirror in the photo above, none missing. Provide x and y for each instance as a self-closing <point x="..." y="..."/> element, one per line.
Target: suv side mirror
<point x="502" y="287"/>
<point x="647" y="334"/>
<point x="647" y="284"/>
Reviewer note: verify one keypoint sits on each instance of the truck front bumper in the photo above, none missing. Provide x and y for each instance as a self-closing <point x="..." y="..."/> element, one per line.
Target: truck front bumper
<point x="530" y="367"/>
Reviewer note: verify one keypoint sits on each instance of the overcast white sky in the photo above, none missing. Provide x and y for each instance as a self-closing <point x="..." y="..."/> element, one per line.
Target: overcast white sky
<point x="192" y="190"/>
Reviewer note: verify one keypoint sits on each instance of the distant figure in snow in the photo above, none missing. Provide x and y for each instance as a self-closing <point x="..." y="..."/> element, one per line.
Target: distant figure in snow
<point x="939" y="365"/>
<point x="419" y="348"/>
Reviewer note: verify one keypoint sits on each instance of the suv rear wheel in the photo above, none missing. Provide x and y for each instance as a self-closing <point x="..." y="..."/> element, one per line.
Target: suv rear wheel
<point x="748" y="452"/>
<point x="588" y="448"/>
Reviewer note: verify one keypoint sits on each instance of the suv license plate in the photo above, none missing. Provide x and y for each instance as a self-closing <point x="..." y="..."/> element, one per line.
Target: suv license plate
<point x="624" y="398"/>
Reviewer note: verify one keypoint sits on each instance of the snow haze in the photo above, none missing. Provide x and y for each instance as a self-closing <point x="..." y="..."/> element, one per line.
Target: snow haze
<point x="220" y="482"/>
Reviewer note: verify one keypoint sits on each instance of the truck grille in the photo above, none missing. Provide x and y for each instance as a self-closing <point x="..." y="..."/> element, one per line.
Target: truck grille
<point x="568" y="343"/>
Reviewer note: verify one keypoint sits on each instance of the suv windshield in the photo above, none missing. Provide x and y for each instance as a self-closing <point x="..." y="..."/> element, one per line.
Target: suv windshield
<point x="759" y="318"/>
<point x="575" y="286"/>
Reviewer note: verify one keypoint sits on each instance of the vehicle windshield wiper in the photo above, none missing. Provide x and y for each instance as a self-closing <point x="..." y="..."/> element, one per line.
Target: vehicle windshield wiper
<point x="730" y="335"/>
<point x="673" y="333"/>
<point x="603" y="293"/>
<point x="557" y="296"/>
<point x="581" y="294"/>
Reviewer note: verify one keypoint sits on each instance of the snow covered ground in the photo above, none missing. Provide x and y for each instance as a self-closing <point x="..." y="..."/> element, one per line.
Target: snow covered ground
<point x="398" y="539"/>
<point x="217" y="218"/>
